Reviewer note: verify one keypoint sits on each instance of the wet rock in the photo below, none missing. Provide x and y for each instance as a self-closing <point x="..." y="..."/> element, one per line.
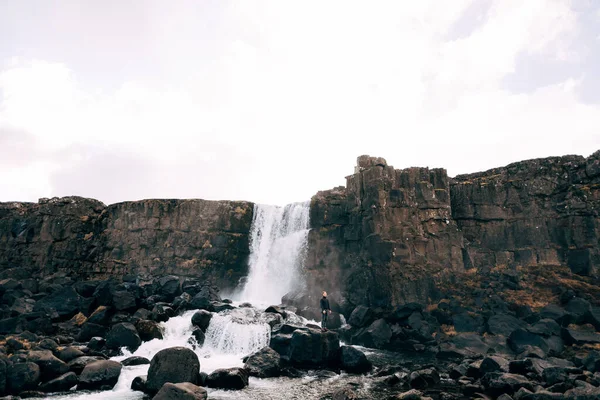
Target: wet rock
<point x="86" y="288"/>
<point x="467" y="322"/>
<point x="174" y="364"/>
<point x="70" y="353"/>
<point x="162" y="313"/>
<point x="148" y="330"/>
<point x="377" y="335"/>
<point x="204" y="298"/>
<point x="463" y="345"/>
<point x="265" y="363"/>
<point x="503" y="324"/>
<point x="592" y="361"/>
<point x="505" y="383"/>
<point x="361" y="316"/>
<point x="201" y="319"/>
<point x="135" y="360"/>
<point x="181" y="391"/>
<point x="276" y="310"/>
<point x="531" y="352"/>
<point x="123" y="335"/>
<point x="198" y="336"/>
<point x="77" y="365"/>
<point x="229" y="378"/>
<point x="554" y="375"/>
<point x="314" y="348"/>
<point x="101" y="316"/>
<point x="545" y="327"/>
<point x="139" y="383"/>
<point x="50" y="366"/>
<point x="424" y="378"/>
<point x="99" y="375"/>
<point x="556" y="313"/>
<point x="61" y="384"/>
<point x="354" y="361"/>
<point x="22" y="376"/>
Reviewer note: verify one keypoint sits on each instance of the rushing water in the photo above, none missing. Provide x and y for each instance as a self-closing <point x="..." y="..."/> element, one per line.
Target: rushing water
<point x="277" y="248"/>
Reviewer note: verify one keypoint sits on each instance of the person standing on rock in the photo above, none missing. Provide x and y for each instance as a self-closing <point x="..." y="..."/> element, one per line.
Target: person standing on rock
<point x="325" y="311"/>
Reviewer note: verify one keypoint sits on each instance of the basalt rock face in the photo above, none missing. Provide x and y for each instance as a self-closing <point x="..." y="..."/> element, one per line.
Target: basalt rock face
<point x="86" y="239"/>
<point x="387" y="237"/>
<point x="396" y="236"/>
<point x="536" y="212"/>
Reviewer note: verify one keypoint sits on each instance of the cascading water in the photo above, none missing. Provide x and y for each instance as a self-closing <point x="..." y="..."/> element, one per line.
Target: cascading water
<point x="277" y="249"/>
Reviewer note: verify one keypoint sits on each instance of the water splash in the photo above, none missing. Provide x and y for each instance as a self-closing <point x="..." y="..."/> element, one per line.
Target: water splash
<point x="278" y="242"/>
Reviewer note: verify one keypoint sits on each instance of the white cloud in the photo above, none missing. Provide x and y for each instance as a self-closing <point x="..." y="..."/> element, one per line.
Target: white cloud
<point x="283" y="96"/>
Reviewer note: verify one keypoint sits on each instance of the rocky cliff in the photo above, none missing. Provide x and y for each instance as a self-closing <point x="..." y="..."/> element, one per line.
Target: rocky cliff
<point x="86" y="239"/>
<point x="395" y="236"/>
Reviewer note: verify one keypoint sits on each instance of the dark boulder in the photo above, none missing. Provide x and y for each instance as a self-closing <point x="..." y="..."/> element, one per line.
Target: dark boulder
<point x="70" y="353"/>
<point x="228" y="378"/>
<point x="424" y="378"/>
<point x="162" y="313"/>
<point x="354" y="361"/>
<point x="504" y="324"/>
<point x="61" y="384"/>
<point x="169" y="287"/>
<point x="139" y="383"/>
<point x="99" y="375"/>
<point x="580" y="337"/>
<point x="77" y="365"/>
<point x="463" y="345"/>
<point x="468" y="322"/>
<point x="65" y="302"/>
<point x="276" y="310"/>
<point x="96" y="343"/>
<point x="554" y="375"/>
<point x="148" y="330"/>
<point x="123" y="335"/>
<point x="175" y="364"/>
<point x="22" y="376"/>
<point x="592" y="361"/>
<point x="545" y="327"/>
<point x="579" y="309"/>
<point x="494" y="364"/>
<point x="198" y="336"/>
<point x="377" y="335"/>
<point x="50" y="366"/>
<point x="101" y="316"/>
<point x="265" y="363"/>
<point x="181" y="391"/>
<point x="124" y="300"/>
<point x="90" y="330"/>
<point x="313" y="347"/>
<point x="135" y="360"/>
<point x="557" y="313"/>
<point x="361" y="316"/>
<point x="204" y="298"/>
<point x="201" y="319"/>
<point x="86" y="288"/>
<point x="48" y="344"/>
<point x="520" y="338"/>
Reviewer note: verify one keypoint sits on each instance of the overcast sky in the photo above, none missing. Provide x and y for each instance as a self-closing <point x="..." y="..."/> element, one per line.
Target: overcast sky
<point x="271" y="101"/>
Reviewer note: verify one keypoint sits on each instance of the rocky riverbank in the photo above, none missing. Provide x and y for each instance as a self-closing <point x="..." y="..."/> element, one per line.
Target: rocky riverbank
<point x="58" y="334"/>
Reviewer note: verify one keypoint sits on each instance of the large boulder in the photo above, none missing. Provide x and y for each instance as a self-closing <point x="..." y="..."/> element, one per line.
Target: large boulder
<point x="520" y="339"/>
<point x="169" y="287"/>
<point x="181" y="391"/>
<point x="204" y="298"/>
<point x="377" y="335"/>
<point x="174" y="364"/>
<point x="50" y="366"/>
<point x="77" y="365"/>
<point x="123" y="334"/>
<point x="501" y="383"/>
<point x="580" y="337"/>
<point x="90" y="330"/>
<point x="22" y="376"/>
<point x="361" y="316"/>
<point x="124" y="300"/>
<point x="579" y="309"/>
<point x="265" y="363"/>
<point x="201" y="319"/>
<point x="70" y="353"/>
<point x="135" y="360"/>
<point x="228" y="378"/>
<point x="99" y="375"/>
<point x="60" y="384"/>
<point x="148" y="330"/>
<point x="424" y="378"/>
<point x="64" y="302"/>
<point x="354" y="361"/>
<point x="313" y="347"/>
<point x="467" y="322"/>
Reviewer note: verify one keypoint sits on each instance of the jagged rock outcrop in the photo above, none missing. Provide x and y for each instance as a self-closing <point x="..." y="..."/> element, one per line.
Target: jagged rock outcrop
<point x="86" y="239"/>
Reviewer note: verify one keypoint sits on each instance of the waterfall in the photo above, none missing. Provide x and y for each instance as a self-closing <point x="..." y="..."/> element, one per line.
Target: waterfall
<point x="278" y="241"/>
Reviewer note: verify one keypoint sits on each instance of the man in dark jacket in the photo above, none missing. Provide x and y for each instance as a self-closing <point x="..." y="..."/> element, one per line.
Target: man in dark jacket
<point x="325" y="311"/>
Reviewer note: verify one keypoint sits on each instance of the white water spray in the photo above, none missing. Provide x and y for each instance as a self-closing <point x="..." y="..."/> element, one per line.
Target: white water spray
<point x="278" y="242"/>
